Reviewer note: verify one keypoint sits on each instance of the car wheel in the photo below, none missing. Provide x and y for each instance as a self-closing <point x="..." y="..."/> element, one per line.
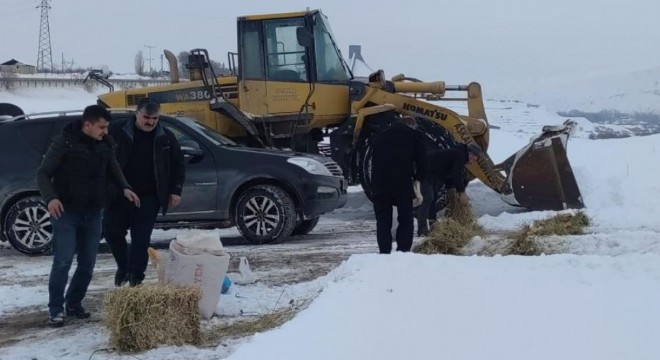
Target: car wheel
<point x="306" y="226"/>
<point x="265" y="214"/>
<point x="28" y="226"/>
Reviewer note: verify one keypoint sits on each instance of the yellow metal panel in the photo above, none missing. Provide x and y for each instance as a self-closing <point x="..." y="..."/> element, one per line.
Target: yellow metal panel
<point x="330" y="102"/>
<point x="286" y="97"/>
<point x="253" y="97"/>
<point x="115" y="99"/>
<point x="273" y="16"/>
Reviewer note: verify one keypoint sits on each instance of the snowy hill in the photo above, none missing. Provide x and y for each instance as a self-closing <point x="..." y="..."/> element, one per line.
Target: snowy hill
<point x="627" y="92"/>
<point x="524" y="118"/>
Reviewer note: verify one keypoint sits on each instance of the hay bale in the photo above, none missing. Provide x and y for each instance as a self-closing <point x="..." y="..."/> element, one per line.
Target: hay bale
<point x="447" y="236"/>
<point x="144" y="317"/>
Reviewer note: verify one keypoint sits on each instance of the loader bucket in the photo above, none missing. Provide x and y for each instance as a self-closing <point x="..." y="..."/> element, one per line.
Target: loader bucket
<point x="539" y="175"/>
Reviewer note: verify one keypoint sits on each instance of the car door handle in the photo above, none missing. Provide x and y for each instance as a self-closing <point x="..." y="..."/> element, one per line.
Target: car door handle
<point x="206" y="184"/>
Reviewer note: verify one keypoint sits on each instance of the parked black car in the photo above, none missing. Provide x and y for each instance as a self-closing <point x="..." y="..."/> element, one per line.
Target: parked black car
<point x="269" y="195"/>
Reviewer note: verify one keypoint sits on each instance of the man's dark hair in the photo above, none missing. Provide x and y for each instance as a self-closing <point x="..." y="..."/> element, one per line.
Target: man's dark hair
<point x="94" y="113"/>
<point x="148" y="106"/>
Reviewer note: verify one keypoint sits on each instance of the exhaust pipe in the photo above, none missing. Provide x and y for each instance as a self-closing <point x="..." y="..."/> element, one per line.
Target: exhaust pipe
<point x="174" y="66"/>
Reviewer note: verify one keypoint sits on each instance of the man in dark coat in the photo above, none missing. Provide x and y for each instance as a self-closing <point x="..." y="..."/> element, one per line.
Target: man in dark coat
<point x="398" y="159"/>
<point x="445" y="167"/>
<point x="73" y="180"/>
<point x="151" y="158"/>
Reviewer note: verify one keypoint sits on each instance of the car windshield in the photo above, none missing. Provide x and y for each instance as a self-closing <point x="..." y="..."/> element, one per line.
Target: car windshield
<point x="207" y="132"/>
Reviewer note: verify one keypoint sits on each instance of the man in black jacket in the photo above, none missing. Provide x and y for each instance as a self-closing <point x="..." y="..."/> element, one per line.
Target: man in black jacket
<point x="445" y="167"/>
<point x="398" y="158"/>
<point x="152" y="161"/>
<point x="73" y="181"/>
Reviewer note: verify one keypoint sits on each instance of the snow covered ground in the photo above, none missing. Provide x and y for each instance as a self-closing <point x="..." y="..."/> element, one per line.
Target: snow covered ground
<point x="599" y="300"/>
<point x="46" y="99"/>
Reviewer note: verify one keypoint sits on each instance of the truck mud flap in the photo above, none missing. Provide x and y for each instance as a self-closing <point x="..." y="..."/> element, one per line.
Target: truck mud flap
<point x="540" y="176"/>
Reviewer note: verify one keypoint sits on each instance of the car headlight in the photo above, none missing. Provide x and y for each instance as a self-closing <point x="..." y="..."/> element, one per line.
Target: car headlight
<point x="310" y="165"/>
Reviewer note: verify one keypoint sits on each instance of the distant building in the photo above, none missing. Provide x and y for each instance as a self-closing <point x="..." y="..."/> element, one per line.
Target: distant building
<point x="17" y="67"/>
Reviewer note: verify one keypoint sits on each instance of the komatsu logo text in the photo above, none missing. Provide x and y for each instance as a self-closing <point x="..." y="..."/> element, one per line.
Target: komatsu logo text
<point x="430" y="113"/>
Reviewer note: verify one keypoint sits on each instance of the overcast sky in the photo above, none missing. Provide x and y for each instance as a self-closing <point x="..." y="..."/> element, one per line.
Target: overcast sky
<point x="500" y="42"/>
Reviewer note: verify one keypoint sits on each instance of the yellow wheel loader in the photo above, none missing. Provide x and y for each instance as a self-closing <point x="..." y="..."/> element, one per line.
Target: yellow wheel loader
<point x="290" y="88"/>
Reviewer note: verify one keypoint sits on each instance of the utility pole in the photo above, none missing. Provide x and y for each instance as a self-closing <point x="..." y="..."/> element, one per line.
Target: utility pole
<point x="161" y="63"/>
<point x="45" y="54"/>
<point x="151" y="69"/>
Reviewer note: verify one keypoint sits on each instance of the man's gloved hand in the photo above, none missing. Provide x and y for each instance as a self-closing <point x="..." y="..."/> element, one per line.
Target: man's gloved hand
<point x="417" y="201"/>
<point x="463" y="198"/>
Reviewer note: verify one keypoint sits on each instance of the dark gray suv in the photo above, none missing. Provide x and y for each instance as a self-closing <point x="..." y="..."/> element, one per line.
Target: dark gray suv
<point x="269" y="195"/>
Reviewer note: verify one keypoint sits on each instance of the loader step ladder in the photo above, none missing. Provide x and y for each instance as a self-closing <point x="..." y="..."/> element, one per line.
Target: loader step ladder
<point x="199" y="59"/>
<point x="219" y="104"/>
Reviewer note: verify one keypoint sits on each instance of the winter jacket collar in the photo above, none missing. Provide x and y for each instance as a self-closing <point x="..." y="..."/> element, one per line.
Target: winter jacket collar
<point x="73" y="133"/>
<point x="129" y="129"/>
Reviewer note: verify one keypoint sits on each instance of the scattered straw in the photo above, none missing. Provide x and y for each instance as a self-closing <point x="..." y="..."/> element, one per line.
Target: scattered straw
<point x="144" y="317"/>
<point x="522" y="242"/>
<point x="562" y="224"/>
<point x="447" y="236"/>
<point x="533" y="240"/>
<point x="249" y="327"/>
<point x="456" y="210"/>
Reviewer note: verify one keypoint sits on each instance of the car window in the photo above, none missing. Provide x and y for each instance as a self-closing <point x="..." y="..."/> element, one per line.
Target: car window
<point x="183" y="138"/>
<point x="212" y="135"/>
<point x="36" y="134"/>
<point x="60" y="123"/>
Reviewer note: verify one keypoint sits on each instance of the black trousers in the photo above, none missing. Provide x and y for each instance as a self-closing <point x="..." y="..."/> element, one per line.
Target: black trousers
<point x="121" y="216"/>
<point x="427" y="209"/>
<point x="383" y="206"/>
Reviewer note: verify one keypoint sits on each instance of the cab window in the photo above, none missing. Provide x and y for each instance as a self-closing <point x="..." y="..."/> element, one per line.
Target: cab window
<point x="285" y="57"/>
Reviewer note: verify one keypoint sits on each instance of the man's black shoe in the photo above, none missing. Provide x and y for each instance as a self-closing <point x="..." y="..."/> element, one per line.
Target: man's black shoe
<point x="56" y="320"/>
<point x="78" y="311"/>
<point x="120" y="278"/>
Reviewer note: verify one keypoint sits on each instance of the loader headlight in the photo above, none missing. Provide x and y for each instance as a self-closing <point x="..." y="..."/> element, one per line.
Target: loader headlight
<point x="312" y="166"/>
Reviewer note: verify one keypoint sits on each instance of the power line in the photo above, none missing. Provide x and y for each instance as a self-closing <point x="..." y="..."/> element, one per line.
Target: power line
<point x="151" y="69"/>
<point x="45" y="54"/>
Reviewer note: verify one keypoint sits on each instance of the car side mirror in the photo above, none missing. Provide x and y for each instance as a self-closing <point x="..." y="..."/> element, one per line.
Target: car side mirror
<point x="191" y="150"/>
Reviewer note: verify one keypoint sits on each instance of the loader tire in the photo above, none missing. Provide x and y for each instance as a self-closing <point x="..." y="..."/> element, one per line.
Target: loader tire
<point x="363" y="159"/>
<point x="435" y="137"/>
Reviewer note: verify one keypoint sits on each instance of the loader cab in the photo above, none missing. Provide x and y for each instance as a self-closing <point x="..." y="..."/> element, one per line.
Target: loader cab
<point x="281" y="58"/>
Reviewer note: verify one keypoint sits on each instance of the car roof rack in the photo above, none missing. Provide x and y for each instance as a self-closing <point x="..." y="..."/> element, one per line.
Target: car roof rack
<point x="58" y="113"/>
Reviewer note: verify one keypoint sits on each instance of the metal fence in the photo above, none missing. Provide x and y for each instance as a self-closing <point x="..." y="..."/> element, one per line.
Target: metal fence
<point x="18" y="82"/>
